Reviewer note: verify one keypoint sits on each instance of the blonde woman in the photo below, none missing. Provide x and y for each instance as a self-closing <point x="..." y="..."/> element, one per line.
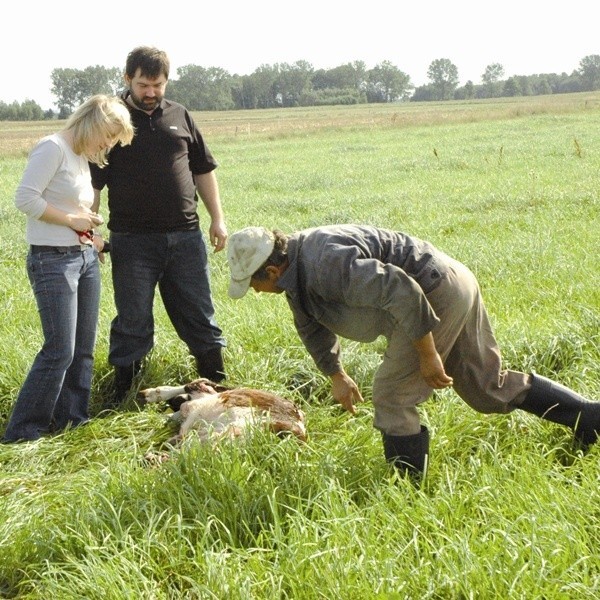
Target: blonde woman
<point x="57" y="197"/>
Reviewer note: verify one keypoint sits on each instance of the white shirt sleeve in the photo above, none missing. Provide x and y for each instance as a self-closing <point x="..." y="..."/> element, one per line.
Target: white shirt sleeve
<point x="44" y="161"/>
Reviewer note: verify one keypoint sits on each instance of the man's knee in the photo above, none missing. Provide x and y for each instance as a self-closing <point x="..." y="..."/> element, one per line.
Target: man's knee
<point x="397" y="420"/>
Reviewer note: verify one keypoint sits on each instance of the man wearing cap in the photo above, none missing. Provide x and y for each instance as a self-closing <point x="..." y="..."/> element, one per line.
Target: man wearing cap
<point x="362" y="282"/>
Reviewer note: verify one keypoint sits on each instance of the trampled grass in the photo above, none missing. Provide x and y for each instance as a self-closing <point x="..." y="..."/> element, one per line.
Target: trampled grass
<point x="509" y="508"/>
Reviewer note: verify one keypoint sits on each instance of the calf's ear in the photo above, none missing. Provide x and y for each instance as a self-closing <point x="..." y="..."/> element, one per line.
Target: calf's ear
<point x="220" y="388"/>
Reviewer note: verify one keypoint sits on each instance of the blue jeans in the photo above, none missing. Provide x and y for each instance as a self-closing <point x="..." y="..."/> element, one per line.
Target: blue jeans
<point x="56" y="392"/>
<point x="177" y="263"/>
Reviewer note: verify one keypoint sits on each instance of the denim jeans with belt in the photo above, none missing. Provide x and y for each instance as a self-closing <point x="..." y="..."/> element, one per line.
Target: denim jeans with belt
<point x="177" y="263"/>
<point x="56" y="392"/>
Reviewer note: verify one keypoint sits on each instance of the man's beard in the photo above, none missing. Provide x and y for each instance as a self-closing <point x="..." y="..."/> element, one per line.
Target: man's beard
<point x="149" y="104"/>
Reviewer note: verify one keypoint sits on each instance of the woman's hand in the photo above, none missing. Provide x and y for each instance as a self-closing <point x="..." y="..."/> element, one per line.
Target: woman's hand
<point x="83" y="221"/>
<point x="79" y="221"/>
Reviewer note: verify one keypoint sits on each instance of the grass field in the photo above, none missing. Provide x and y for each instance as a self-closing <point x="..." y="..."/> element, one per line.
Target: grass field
<point x="509" y="508"/>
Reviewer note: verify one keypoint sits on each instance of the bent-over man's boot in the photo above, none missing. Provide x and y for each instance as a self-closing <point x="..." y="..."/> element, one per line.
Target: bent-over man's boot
<point x="408" y="453"/>
<point x="559" y="404"/>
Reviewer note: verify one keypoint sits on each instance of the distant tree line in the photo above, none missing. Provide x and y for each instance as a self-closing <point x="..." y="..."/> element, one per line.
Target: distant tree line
<point x="300" y="84"/>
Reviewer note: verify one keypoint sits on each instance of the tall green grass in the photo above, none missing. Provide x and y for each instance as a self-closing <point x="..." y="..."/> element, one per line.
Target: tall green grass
<point x="509" y="508"/>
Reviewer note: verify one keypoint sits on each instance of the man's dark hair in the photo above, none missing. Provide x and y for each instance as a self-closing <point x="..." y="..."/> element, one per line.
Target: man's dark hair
<point x="151" y="62"/>
<point x="277" y="257"/>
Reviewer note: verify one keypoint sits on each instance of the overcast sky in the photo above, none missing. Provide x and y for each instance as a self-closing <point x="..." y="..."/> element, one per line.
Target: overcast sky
<point x="525" y="36"/>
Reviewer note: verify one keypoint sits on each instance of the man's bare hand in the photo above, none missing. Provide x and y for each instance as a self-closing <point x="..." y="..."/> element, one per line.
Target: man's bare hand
<point x="434" y="374"/>
<point x="431" y="365"/>
<point x="345" y="391"/>
<point x="218" y="236"/>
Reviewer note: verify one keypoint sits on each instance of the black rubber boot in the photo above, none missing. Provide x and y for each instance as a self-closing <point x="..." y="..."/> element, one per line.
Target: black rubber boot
<point x="408" y="453"/>
<point x="210" y="364"/>
<point x="122" y="382"/>
<point x="558" y="404"/>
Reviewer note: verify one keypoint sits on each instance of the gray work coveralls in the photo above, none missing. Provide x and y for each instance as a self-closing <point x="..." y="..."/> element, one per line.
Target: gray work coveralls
<point x="362" y="282"/>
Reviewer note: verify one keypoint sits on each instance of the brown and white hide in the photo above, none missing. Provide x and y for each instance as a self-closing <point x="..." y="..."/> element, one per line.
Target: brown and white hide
<point x="215" y="411"/>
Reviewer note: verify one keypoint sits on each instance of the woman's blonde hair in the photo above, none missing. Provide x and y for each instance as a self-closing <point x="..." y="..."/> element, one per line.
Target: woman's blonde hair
<point x="98" y="118"/>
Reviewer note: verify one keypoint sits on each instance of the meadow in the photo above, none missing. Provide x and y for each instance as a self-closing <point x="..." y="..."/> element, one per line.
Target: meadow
<point x="509" y="509"/>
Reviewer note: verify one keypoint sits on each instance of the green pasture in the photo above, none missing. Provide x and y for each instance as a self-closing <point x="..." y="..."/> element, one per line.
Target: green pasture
<point x="509" y="509"/>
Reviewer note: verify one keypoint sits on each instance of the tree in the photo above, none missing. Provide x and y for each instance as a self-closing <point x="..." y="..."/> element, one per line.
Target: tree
<point x="541" y="86"/>
<point x="467" y="92"/>
<point x="345" y="84"/>
<point x="299" y="84"/>
<point x="99" y="80"/>
<point x="346" y="76"/>
<point x="524" y="82"/>
<point x="423" y="93"/>
<point x="31" y="111"/>
<point x="491" y="78"/>
<point x="493" y="73"/>
<point x="261" y="89"/>
<point x="568" y="84"/>
<point x="243" y="91"/>
<point x="294" y="81"/>
<point x="589" y="71"/>
<point x="387" y="83"/>
<point x="65" y="87"/>
<point x="72" y="87"/>
<point x="358" y="70"/>
<point x="202" y="89"/>
<point x="26" y="111"/>
<point x="443" y="75"/>
<point x="511" y="87"/>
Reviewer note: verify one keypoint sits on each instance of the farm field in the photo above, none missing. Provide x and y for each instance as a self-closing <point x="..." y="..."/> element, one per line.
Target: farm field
<point x="509" y="508"/>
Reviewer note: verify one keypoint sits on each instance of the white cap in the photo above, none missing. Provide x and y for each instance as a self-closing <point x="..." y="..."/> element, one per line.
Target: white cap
<point x="247" y="250"/>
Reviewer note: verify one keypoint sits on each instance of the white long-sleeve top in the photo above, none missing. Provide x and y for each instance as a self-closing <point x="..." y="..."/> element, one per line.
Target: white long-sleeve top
<point x="57" y="176"/>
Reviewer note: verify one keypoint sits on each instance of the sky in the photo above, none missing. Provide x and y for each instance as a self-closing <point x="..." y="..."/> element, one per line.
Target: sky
<point x="526" y="36"/>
